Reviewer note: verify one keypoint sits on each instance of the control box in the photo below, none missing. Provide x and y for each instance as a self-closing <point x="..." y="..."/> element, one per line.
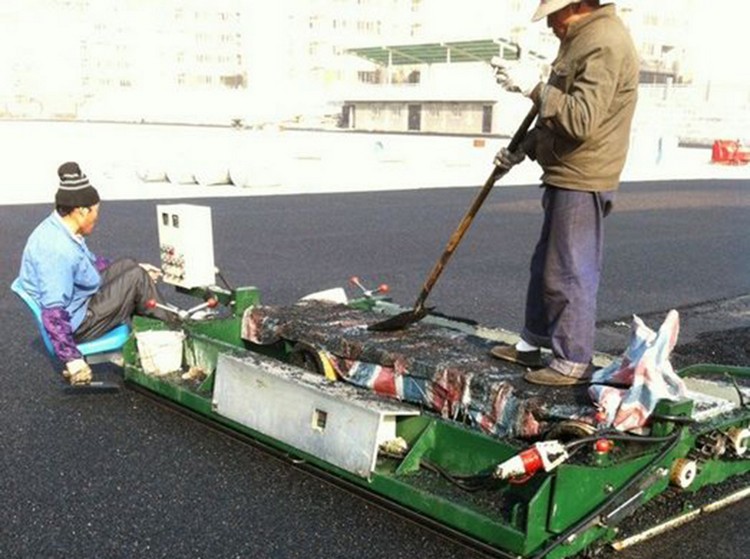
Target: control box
<point x="186" y="245"/>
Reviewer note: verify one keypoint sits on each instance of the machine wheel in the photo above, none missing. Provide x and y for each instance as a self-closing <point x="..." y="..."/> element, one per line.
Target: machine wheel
<point x="739" y="438"/>
<point x="683" y="473"/>
<point x="307" y="357"/>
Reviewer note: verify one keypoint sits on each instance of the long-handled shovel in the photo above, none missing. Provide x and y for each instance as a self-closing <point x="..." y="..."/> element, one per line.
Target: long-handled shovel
<point x="404" y="319"/>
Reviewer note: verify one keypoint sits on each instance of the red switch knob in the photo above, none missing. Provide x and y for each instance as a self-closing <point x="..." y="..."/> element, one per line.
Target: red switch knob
<point x="603" y="446"/>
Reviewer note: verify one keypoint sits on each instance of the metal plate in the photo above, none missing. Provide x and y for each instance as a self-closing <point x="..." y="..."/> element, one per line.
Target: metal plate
<point x="330" y="420"/>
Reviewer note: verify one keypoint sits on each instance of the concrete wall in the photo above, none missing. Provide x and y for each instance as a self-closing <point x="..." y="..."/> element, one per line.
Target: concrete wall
<point x="387" y="117"/>
<point x="458" y="117"/>
<point x="462" y="117"/>
<point x="694" y="114"/>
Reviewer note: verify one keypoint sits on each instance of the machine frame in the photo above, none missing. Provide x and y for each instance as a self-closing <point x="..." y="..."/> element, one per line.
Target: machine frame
<point x="579" y="505"/>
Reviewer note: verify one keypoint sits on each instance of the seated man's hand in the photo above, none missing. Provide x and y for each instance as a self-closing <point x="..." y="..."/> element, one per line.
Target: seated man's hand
<point x="505" y="159"/>
<point x="77" y="372"/>
<point x="153" y="272"/>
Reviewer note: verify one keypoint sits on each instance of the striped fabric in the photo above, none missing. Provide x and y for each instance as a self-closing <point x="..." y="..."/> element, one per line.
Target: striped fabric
<point x="643" y="375"/>
<point x="448" y="372"/>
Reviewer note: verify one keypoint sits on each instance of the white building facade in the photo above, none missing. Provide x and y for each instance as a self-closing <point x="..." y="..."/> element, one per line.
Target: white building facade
<point x="183" y="60"/>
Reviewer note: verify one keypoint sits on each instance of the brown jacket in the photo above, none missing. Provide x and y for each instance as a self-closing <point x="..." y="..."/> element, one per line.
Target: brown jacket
<point x="586" y="107"/>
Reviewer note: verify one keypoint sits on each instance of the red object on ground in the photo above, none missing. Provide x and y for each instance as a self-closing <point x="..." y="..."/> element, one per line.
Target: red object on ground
<point x="730" y="152"/>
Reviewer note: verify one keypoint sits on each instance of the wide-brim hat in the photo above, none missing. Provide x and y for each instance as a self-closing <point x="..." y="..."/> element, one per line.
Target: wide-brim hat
<point x="546" y="7"/>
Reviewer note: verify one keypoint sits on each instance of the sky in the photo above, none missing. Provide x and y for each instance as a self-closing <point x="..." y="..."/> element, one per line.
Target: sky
<point x="719" y="39"/>
<point x="717" y="36"/>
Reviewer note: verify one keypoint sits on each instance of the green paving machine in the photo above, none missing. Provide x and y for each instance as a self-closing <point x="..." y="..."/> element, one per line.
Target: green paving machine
<point x="423" y="421"/>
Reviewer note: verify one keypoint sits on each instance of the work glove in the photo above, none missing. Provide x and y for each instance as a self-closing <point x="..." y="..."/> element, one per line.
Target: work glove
<point x="77" y="372"/>
<point x="517" y="77"/>
<point x="153" y="272"/>
<point x="505" y="159"/>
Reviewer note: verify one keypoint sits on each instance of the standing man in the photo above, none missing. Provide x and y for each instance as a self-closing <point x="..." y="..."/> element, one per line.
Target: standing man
<point x="581" y="141"/>
<point x="82" y="296"/>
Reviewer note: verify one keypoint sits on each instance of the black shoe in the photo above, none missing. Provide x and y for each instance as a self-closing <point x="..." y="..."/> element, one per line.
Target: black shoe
<point x="531" y="359"/>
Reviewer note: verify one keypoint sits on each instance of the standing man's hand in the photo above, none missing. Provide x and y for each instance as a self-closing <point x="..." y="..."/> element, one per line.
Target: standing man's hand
<point x="517" y="77"/>
<point x="505" y="159"/>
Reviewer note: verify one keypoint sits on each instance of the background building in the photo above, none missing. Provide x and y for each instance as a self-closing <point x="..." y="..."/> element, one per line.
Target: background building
<point x="117" y="59"/>
<point x="256" y="61"/>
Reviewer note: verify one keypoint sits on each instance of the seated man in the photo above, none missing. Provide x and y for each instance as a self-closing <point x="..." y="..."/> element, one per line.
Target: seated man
<point x="82" y="296"/>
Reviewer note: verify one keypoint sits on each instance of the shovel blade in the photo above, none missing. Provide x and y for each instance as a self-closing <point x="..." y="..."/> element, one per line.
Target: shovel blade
<point x="399" y="321"/>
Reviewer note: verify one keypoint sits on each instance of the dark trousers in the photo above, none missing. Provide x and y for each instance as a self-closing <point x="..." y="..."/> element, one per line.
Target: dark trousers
<point x="565" y="271"/>
<point x="125" y="289"/>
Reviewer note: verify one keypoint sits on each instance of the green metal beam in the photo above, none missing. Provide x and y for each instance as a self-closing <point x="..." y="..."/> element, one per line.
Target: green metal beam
<point x="480" y="50"/>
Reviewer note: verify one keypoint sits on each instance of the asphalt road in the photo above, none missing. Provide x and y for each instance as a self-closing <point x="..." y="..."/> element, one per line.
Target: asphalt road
<point x="119" y="476"/>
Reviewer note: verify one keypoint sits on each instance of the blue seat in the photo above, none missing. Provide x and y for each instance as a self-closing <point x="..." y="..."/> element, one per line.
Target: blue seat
<point x="104" y="346"/>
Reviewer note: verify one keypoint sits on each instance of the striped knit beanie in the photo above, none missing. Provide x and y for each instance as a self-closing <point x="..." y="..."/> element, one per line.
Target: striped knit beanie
<point x="75" y="189"/>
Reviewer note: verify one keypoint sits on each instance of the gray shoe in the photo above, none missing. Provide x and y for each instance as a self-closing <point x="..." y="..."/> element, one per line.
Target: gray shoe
<point x="550" y="377"/>
<point x="531" y="359"/>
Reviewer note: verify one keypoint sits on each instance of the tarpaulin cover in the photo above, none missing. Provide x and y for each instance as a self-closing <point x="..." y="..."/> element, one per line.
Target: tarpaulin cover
<point x="444" y="370"/>
<point x="646" y="372"/>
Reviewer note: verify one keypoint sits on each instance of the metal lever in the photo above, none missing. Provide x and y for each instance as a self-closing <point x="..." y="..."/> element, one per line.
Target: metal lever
<point x="181" y="313"/>
<point x="382" y="288"/>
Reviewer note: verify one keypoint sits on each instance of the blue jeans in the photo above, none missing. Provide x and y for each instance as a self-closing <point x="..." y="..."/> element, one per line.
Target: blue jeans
<point x="565" y="271"/>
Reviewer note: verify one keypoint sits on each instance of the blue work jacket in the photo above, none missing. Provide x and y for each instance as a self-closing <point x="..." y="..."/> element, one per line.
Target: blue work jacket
<point x="58" y="270"/>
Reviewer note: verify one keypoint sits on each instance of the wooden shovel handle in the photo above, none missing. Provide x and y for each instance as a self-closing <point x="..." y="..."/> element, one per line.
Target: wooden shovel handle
<point x="468" y="218"/>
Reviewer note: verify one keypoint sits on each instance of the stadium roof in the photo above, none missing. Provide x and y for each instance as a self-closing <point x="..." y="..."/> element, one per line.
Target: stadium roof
<point x="480" y="50"/>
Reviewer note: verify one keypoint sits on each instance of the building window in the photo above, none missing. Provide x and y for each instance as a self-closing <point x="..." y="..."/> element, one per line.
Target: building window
<point x="415" y="118"/>
<point x="368" y="77"/>
<point x="487" y="119"/>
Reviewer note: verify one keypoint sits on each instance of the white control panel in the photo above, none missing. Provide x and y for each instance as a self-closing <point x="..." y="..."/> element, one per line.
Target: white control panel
<point x="186" y="245"/>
